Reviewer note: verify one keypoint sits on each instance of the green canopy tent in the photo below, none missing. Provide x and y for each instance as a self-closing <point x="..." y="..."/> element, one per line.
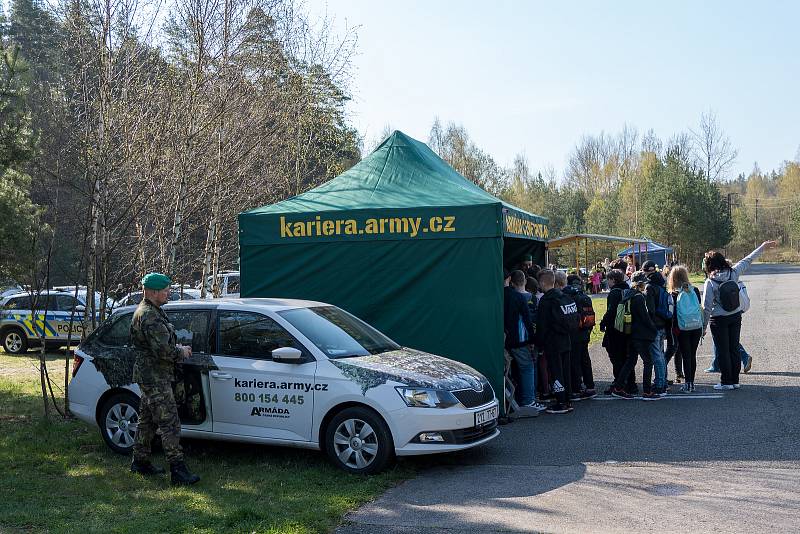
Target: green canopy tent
<point x="403" y="241"/>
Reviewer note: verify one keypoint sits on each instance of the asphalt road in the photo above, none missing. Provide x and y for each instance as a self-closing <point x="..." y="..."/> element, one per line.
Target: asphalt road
<point x="715" y="462"/>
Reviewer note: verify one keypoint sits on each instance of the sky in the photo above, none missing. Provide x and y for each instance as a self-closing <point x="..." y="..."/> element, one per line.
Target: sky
<point x="533" y="77"/>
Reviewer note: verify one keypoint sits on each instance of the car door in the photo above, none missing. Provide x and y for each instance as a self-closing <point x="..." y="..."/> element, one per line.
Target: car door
<point x="192" y="327"/>
<point x="67" y="317"/>
<point x="252" y="395"/>
<point x="17" y="312"/>
<point x="45" y="322"/>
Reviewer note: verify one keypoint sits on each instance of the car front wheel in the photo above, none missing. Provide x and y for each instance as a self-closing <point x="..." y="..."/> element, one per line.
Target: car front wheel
<point x="15" y="341"/>
<point x="358" y="441"/>
<point x="119" y="419"/>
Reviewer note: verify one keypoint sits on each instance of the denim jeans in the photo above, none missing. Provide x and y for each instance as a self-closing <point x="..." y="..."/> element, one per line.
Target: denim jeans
<point x="743" y="354"/>
<point x="659" y="361"/>
<point x="527" y="374"/>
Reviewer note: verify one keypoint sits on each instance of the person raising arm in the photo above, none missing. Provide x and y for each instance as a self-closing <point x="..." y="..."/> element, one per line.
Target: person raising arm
<point x="722" y="310"/>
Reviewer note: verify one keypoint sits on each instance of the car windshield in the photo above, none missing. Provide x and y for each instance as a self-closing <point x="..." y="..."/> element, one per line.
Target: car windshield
<point x="337" y="333"/>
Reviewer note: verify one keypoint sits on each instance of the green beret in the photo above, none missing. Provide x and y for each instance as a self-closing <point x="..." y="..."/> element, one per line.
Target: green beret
<point x="156" y="281"/>
<point x="527" y="257"/>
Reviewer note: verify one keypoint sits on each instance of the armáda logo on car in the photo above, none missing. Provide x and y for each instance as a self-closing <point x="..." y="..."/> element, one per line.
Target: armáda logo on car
<point x="265" y="411"/>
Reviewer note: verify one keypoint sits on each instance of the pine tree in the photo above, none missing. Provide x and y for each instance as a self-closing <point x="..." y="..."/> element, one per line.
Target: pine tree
<point x="35" y="31"/>
<point x="17" y="138"/>
<point x="19" y="216"/>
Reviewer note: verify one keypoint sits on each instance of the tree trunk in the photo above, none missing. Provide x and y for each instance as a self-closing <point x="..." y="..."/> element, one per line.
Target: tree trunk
<point x="176" y="225"/>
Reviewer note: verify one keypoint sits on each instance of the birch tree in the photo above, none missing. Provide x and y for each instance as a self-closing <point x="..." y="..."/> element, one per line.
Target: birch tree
<point x="714" y="151"/>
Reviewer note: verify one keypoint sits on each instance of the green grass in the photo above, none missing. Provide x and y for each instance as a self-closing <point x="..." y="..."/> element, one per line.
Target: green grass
<point x="59" y="476"/>
<point x="697" y="279"/>
<point x="599" y="304"/>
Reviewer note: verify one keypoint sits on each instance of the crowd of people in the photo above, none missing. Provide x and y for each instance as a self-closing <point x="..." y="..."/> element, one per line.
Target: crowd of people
<point x="596" y="279"/>
<point x="653" y="315"/>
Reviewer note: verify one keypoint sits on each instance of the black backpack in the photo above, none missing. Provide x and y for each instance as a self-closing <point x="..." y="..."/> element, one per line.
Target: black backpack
<point x="729" y="294"/>
<point x="567" y="319"/>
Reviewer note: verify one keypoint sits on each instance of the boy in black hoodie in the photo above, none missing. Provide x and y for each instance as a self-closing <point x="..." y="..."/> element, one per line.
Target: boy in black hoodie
<point x="643" y="333"/>
<point x="655" y="290"/>
<point x="579" y="351"/>
<point x="556" y="320"/>
<point x="616" y="342"/>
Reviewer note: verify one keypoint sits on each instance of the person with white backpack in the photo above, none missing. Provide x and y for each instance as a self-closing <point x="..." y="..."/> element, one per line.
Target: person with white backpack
<point x="689" y="320"/>
<point x="723" y="299"/>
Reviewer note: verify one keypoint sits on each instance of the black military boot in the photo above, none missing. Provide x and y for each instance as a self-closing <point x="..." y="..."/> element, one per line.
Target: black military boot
<point x="181" y="476"/>
<point x="145" y="468"/>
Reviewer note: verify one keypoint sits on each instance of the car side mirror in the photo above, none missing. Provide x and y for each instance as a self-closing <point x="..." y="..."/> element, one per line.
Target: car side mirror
<point x="287" y="355"/>
<point x="80" y="308"/>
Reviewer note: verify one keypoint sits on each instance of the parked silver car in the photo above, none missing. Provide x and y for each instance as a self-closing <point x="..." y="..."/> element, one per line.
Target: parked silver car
<point x="136" y="297"/>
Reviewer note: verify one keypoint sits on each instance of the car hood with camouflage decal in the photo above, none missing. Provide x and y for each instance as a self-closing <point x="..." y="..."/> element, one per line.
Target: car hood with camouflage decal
<point x="412" y="368"/>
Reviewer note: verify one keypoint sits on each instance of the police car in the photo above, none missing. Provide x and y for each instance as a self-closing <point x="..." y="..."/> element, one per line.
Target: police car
<point x="9" y="288"/>
<point x="19" y="329"/>
<point x="294" y="373"/>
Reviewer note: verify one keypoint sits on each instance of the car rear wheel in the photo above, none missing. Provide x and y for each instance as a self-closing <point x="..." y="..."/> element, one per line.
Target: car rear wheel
<point x="119" y="419"/>
<point x="15" y="341"/>
<point x="358" y="441"/>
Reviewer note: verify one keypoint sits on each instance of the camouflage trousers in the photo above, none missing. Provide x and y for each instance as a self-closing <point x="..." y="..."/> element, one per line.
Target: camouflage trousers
<point x="157" y="411"/>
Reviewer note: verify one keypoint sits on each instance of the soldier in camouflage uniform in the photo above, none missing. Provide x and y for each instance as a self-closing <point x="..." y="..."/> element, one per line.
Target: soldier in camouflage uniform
<point x="157" y="353"/>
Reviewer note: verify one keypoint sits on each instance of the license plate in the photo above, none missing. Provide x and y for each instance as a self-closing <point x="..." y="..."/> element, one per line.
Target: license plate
<point x="485" y="416"/>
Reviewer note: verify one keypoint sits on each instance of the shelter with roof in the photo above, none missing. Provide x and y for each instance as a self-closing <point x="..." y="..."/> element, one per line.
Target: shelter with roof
<point x="403" y="241"/>
<point x="650" y="250"/>
<point x="580" y="243"/>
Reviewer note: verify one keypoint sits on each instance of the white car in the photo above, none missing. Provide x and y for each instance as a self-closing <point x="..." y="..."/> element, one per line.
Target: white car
<point x="290" y="372"/>
<point x="82" y="296"/>
<point x="133" y="299"/>
<point x="11" y="288"/>
<point x="228" y="282"/>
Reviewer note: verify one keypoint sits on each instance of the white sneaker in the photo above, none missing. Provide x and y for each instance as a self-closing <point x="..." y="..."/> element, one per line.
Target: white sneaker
<point x="736" y="386"/>
<point x="539" y="407"/>
<point x="723" y="387"/>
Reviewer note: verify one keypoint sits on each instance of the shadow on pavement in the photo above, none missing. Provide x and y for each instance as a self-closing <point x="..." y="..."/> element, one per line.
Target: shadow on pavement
<point x="607" y="497"/>
<point x="478" y="487"/>
<point x="463" y="498"/>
